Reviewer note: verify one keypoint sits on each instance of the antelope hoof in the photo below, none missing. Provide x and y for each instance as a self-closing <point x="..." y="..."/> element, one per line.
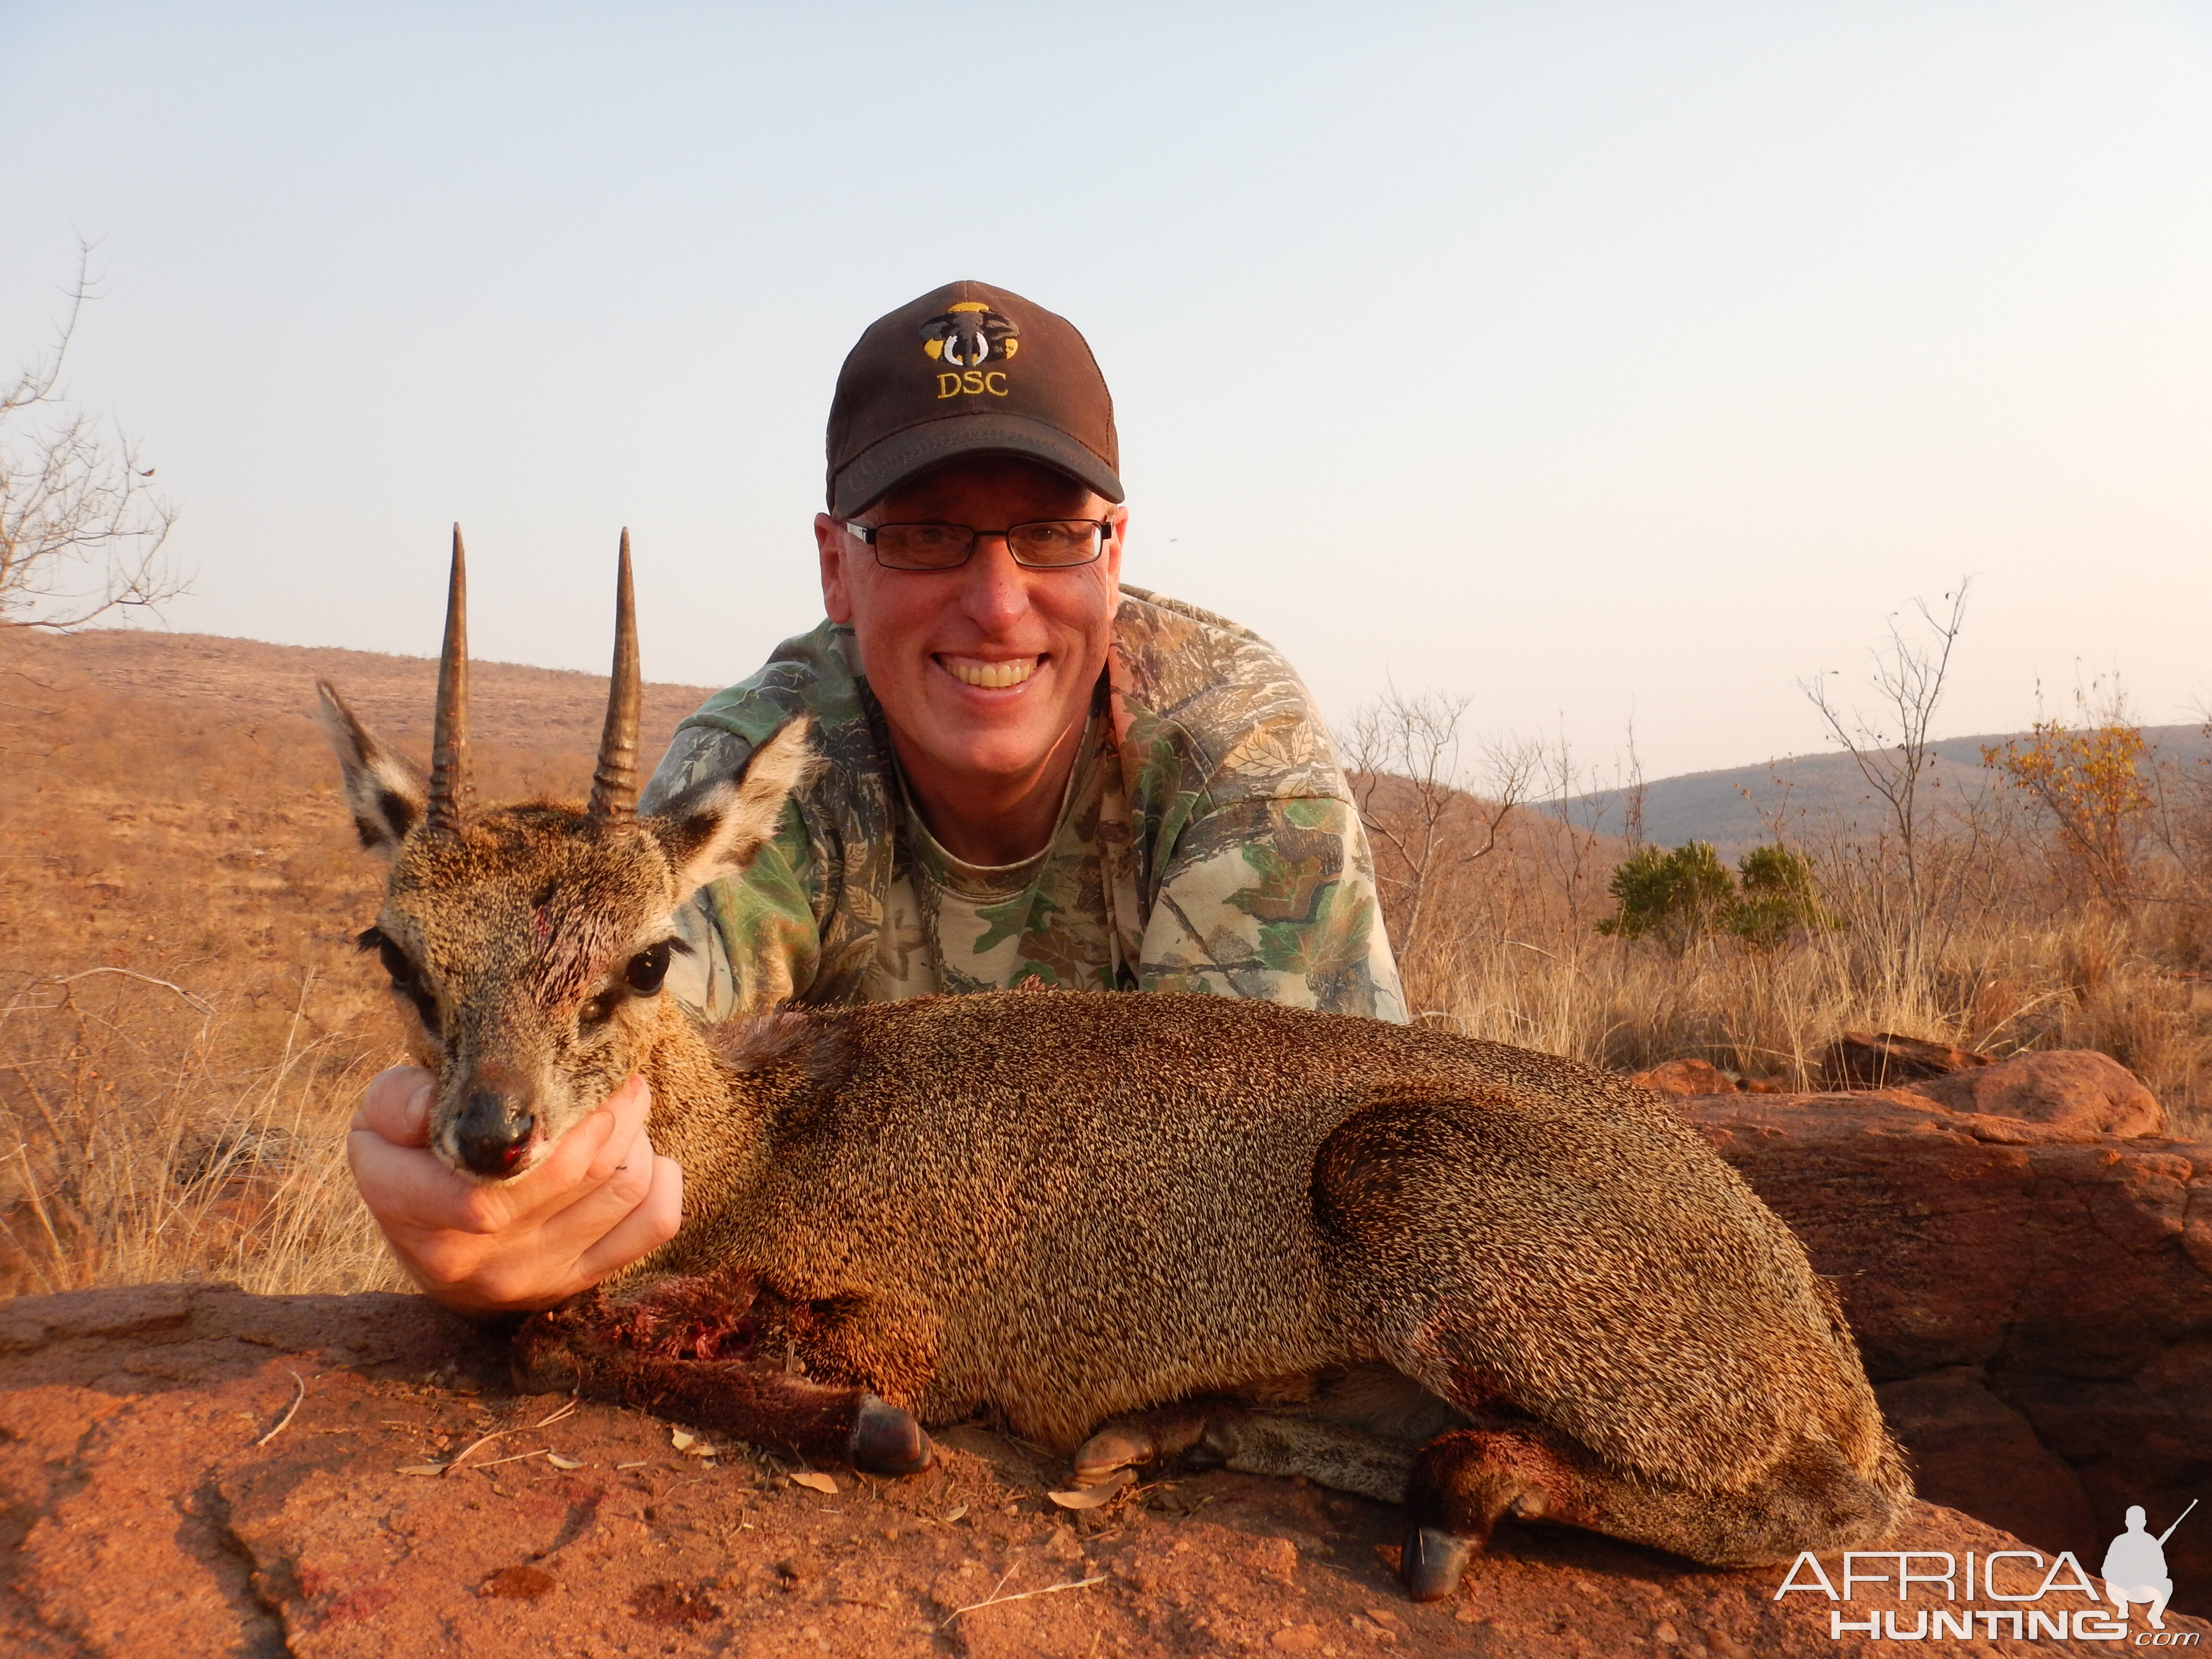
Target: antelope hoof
<point x="1431" y="1562"/>
<point x="1116" y="1447"/>
<point x="887" y="1441"/>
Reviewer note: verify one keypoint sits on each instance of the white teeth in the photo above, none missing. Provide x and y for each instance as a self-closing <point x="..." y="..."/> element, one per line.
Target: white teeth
<point x="989" y="676"/>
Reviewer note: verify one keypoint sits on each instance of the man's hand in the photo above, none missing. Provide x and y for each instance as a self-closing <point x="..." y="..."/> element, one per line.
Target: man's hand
<point x="601" y="1200"/>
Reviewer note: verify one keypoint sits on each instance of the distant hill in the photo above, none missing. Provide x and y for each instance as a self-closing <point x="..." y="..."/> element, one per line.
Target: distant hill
<point x="1726" y="807"/>
<point x="509" y="704"/>
<point x="559" y="711"/>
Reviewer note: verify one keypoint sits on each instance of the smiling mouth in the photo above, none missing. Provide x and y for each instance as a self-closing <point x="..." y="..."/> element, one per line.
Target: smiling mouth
<point x="989" y="676"/>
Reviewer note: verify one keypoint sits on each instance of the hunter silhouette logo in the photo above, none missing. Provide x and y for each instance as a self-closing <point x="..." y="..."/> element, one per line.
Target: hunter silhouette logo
<point x="970" y="335"/>
<point x="2134" y="1566"/>
<point x="2029" y="1596"/>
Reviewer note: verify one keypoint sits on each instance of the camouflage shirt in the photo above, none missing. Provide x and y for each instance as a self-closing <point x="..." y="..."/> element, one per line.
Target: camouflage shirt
<point x="1207" y="843"/>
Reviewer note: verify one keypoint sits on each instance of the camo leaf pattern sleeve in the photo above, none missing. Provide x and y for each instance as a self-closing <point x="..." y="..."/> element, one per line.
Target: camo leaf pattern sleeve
<point x="1272" y="900"/>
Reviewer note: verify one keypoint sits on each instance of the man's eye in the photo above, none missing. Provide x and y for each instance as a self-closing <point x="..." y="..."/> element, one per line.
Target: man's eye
<point x="646" y="969"/>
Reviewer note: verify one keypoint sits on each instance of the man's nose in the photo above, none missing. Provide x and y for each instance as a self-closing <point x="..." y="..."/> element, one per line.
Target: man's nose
<point x="997" y="592"/>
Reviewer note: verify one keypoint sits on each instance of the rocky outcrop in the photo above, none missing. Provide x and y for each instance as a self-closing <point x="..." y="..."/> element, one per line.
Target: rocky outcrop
<point x="1685" y="1078"/>
<point x="2075" y="1089"/>
<point x="1973" y="1452"/>
<point x="2034" y="1296"/>
<point x="161" y="1494"/>
<point x="1881" y="1060"/>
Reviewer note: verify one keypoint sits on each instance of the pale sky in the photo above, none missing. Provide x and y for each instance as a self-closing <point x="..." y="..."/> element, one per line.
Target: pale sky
<point x="1594" y="362"/>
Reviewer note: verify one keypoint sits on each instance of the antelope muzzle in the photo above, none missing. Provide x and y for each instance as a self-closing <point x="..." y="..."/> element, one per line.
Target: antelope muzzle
<point x="498" y="1119"/>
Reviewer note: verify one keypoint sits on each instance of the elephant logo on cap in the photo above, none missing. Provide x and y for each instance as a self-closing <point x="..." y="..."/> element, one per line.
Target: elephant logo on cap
<point x="969" y="334"/>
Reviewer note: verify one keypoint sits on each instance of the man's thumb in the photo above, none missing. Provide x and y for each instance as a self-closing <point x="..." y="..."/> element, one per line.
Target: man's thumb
<point x="397" y="1105"/>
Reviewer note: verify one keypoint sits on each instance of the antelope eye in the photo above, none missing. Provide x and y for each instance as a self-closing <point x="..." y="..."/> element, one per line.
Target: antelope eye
<point x="404" y="980"/>
<point x="396" y="964"/>
<point x="647" y="968"/>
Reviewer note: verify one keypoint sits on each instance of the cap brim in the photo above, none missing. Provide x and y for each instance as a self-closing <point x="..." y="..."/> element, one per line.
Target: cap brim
<point x="884" y="466"/>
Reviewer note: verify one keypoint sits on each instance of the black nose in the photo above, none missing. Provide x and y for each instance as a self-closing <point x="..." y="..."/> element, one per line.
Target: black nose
<point x="493" y="1132"/>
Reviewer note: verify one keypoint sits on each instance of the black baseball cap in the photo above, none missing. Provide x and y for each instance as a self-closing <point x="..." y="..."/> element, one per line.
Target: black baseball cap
<point x="968" y="369"/>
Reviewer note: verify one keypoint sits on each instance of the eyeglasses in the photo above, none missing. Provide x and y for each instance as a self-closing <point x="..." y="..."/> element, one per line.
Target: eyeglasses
<point x="1041" y="544"/>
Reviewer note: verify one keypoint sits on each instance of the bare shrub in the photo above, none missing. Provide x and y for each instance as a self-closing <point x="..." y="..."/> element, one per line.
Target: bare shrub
<point x="82" y="535"/>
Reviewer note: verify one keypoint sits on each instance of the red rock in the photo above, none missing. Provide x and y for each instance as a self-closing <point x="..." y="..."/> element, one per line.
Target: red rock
<point x="1882" y="1060"/>
<point x="1686" y="1077"/>
<point x="1970" y="1451"/>
<point x="143" y="1521"/>
<point x="2072" y="1270"/>
<point x="2075" y="1088"/>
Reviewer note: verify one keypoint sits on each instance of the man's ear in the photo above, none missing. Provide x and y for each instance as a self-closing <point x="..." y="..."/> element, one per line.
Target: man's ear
<point x="713" y="831"/>
<point x="385" y="792"/>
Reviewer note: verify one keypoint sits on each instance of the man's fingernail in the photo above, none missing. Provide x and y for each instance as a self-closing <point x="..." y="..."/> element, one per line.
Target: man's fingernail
<point x="418" y="1103"/>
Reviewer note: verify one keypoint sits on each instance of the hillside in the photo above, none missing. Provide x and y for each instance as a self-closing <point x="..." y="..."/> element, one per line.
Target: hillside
<point x="262" y="685"/>
<point x="514" y="706"/>
<point x="1735" y="807"/>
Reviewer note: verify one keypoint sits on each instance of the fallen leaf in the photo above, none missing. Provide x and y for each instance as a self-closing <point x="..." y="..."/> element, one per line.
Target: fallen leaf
<point x="953" y="1514"/>
<point x="640" y="1464"/>
<point x="1090" y="1497"/>
<point x="560" y="1462"/>
<point x="424" y="1468"/>
<point x="682" y="1441"/>
<point x="700" y="1450"/>
<point x="814" y="1482"/>
<point x="518" y="1584"/>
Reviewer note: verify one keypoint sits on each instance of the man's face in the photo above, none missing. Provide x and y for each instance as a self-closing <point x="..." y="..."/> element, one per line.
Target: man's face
<point x="984" y="669"/>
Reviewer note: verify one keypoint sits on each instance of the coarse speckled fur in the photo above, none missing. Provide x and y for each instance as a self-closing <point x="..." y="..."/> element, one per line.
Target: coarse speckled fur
<point x="1495" y="1281"/>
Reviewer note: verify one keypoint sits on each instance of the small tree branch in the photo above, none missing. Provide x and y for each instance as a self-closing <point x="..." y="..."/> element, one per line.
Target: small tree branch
<point x="82" y="535"/>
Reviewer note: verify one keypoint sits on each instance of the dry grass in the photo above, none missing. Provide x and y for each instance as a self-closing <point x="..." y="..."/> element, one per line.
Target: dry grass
<point x="184" y="1026"/>
<point x="1999" y="956"/>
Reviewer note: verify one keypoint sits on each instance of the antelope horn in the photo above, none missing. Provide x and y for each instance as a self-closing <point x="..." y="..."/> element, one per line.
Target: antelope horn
<point x="614" y="781"/>
<point x="449" y="741"/>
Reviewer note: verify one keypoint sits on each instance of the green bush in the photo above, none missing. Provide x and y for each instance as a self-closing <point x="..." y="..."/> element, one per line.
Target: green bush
<point x="1672" y="899"/>
<point x="1676" y="898"/>
<point x="1775" y="898"/>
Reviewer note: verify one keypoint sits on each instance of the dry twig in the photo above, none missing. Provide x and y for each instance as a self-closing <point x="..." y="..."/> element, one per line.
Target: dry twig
<point x="70" y="979"/>
<point x="288" y="1410"/>
<point x="517" y="1458"/>
<point x="1022" y="1596"/>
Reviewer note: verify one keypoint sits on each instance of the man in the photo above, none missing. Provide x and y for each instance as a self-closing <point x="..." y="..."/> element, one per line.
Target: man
<point x="1032" y="777"/>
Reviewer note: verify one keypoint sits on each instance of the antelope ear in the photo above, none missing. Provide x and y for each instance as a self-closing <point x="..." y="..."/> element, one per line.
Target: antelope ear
<point x="385" y="792"/>
<point x="712" y="832"/>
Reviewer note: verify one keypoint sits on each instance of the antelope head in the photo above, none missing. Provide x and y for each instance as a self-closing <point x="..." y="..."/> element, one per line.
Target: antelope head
<point x="527" y="945"/>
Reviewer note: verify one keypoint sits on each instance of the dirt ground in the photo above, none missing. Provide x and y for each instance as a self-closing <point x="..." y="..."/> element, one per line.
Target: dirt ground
<point x="160" y="1496"/>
